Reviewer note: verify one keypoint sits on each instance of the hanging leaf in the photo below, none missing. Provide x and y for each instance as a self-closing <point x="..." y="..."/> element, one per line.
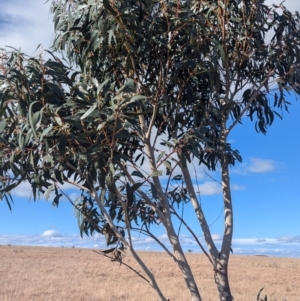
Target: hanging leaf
<point x="48" y="191"/>
<point x="89" y="111"/>
<point x="109" y="8"/>
<point x="137" y="174"/>
<point x="168" y="165"/>
<point x="154" y="191"/>
<point x="62" y="144"/>
<point x="128" y="87"/>
<point x="136" y="186"/>
<point x="8" y="202"/>
<point x="156" y="173"/>
<point x="160" y="156"/>
<point x="129" y="193"/>
<point x="2" y="125"/>
<point x="56" y="200"/>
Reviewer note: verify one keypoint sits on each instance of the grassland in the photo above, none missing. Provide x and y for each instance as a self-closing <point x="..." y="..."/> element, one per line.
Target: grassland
<point x="38" y="273"/>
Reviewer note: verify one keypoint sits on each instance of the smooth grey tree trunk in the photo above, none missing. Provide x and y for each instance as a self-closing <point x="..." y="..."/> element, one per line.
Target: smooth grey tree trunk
<point x="221" y="276"/>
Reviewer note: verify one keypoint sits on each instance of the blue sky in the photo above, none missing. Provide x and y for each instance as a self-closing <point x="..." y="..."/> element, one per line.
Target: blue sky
<point x="266" y="186"/>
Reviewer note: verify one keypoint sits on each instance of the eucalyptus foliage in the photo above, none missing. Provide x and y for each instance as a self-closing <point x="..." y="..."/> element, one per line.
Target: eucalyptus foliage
<point x="136" y="90"/>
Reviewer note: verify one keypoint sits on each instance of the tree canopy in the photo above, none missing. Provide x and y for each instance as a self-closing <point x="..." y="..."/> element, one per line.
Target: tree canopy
<point x="131" y="94"/>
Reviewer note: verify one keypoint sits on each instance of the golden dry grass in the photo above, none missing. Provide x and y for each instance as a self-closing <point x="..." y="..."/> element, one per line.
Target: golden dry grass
<point x="37" y="273"/>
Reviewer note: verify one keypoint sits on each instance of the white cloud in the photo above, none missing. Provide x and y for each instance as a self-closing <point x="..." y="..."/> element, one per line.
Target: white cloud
<point x="187" y="240"/>
<point x="217" y="237"/>
<point x="261" y="240"/>
<point x="237" y="187"/>
<point x="24" y="190"/>
<point x="259" y="165"/>
<point x="53" y="241"/>
<point x="289" y="239"/>
<point x="212" y="188"/>
<point x="253" y="241"/>
<point x="52" y="233"/>
<point x="73" y="196"/>
<point x="208" y="188"/>
<point x="256" y="165"/>
<point x="25" y="24"/>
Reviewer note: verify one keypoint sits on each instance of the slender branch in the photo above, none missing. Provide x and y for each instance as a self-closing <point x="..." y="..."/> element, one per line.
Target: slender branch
<point x="147" y="232"/>
<point x="152" y="280"/>
<point x="121" y="262"/>
<point x="197" y="181"/>
<point x="128" y="226"/>
<point x="217" y="217"/>
<point x="131" y="249"/>
<point x="194" y="235"/>
<point x="182" y="212"/>
<point x="155" y="138"/>
<point x="148" y="133"/>
<point x="141" y="192"/>
<point x="103" y="210"/>
<point x="212" y="177"/>
<point x="78" y="171"/>
<point x="198" y="210"/>
<point x="167" y="222"/>
<point x="169" y="178"/>
<point x="100" y="252"/>
<point x="77" y="208"/>
<point x="78" y="185"/>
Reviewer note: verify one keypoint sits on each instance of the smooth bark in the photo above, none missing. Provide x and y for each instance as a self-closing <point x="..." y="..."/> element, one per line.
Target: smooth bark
<point x="173" y="238"/>
<point x="198" y="210"/>
<point x="221" y="273"/>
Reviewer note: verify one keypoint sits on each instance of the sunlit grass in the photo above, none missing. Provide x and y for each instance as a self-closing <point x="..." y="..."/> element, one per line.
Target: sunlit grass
<point x="37" y="273"/>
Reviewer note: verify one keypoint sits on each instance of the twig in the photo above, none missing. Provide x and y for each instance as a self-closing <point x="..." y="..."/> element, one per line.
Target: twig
<point x="121" y="262"/>
<point x="160" y="243"/>
<point x="212" y="177"/>
<point x="182" y="212"/>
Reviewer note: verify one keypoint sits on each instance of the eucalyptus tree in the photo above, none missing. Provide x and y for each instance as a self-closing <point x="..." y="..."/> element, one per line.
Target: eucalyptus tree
<point x="137" y="92"/>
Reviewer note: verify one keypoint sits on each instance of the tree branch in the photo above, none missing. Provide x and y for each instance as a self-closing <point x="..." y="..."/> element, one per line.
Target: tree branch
<point x="198" y="210"/>
<point x="248" y="104"/>
<point x="121" y="262"/>
<point x="194" y="235"/>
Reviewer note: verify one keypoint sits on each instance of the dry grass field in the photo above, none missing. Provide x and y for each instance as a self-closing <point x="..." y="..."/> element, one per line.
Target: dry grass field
<point x="37" y="273"/>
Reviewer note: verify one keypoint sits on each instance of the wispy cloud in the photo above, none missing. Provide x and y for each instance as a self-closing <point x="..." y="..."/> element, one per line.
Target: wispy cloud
<point x="289" y="239"/>
<point x="259" y="165"/>
<point x="208" y="188"/>
<point x="260" y="240"/>
<point x="256" y="165"/>
<point x="24" y="190"/>
<point x="237" y="187"/>
<point x="287" y="246"/>
<point x="25" y="24"/>
<point x="212" y="188"/>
